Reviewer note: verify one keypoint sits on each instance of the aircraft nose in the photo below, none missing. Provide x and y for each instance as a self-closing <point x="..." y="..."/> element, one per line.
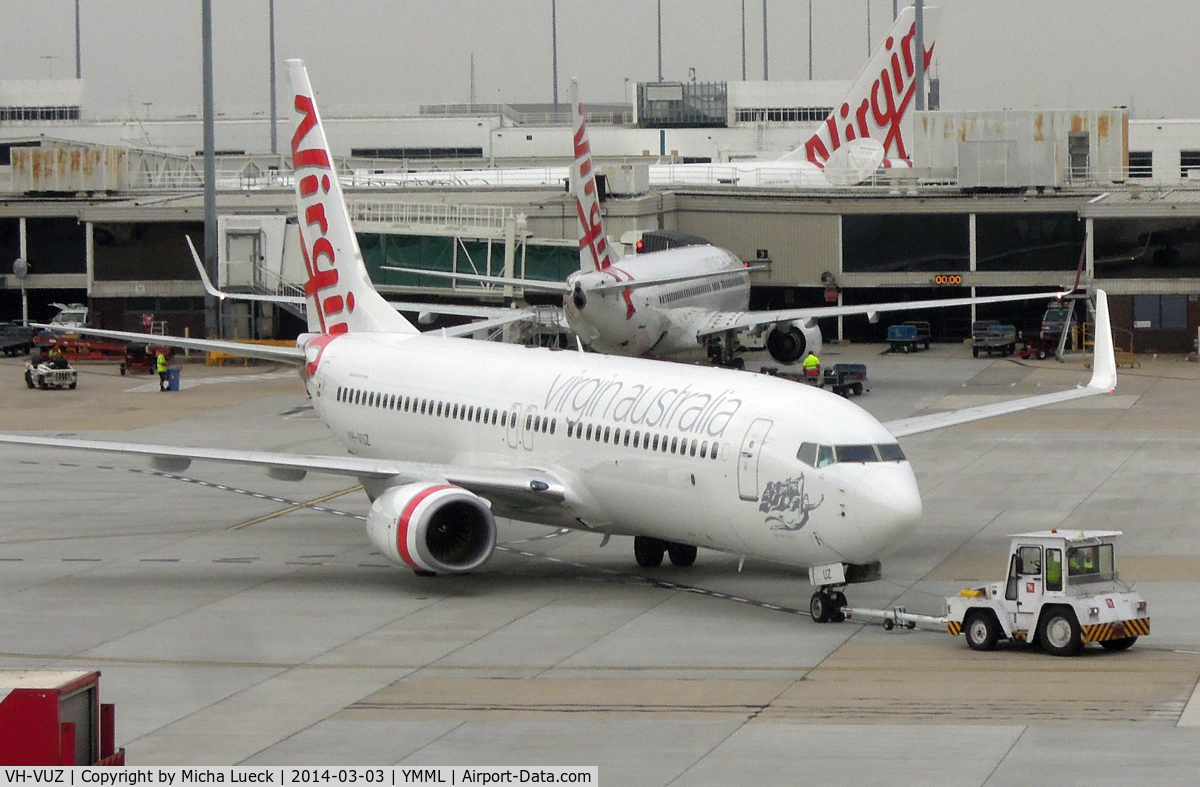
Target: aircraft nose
<point x="889" y="505"/>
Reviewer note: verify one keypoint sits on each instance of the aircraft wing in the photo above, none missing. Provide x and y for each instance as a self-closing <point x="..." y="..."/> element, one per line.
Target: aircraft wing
<point x="529" y="485"/>
<point x="499" y="281"/>
<point x="732" y="321"/>
<point x="265" y="352"/>
<point x="1104" y="380"/>
<point x="551" y="286"/>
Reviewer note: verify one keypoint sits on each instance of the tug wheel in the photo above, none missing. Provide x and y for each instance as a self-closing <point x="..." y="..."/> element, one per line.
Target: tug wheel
<point x="982" y="630"/>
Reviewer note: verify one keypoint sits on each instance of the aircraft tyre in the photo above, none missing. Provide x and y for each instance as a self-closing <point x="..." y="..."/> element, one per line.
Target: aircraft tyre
<point x="682" y="555"/>
<point x="1124" y="643"/>
<point x="820" y="606"/>
<point x="1059" y="633"/>
<point x="423" y="573"/>
<point x="648" y="552"/>
<point x="982" y="630"/>
<point x="737" y="363"/>
<point x="28" y="380"/>
<point x="839" y="603"/>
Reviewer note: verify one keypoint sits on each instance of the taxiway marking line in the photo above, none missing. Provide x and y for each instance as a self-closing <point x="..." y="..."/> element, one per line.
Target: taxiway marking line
<point x="295" y="507"/>
<point x="357" y="666"/>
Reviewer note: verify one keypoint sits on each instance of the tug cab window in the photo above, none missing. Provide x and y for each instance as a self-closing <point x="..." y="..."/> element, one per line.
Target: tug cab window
<point x="1091" y="563"/>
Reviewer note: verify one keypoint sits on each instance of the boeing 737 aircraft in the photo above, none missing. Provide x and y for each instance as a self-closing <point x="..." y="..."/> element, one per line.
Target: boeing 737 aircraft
<point x="679" y="301"/>
<point x="447" y="434"/>
<point x="862" y="133"/>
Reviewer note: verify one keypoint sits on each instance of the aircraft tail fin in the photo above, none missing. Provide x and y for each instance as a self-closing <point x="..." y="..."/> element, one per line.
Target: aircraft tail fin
<point x="882" y="95"/>
<point x="594" y="251"/>
<point x="339" y="291"/>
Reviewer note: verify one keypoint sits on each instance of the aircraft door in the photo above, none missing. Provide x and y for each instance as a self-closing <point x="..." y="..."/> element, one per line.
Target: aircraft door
<point x="514" y="426"/>
<point x="748" y="458"/>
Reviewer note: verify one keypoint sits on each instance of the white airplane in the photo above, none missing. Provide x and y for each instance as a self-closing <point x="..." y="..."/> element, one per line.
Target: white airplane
<point x="447" y="434"/>
<point x="680" y="301"/>
<point x="862" y="134"/>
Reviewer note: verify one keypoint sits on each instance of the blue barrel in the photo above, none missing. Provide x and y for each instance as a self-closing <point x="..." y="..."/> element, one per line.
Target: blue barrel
<point x="173" y="378"/>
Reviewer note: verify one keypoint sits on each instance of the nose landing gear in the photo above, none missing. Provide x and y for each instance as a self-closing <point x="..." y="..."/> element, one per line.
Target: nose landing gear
<point x="826" y="606"/>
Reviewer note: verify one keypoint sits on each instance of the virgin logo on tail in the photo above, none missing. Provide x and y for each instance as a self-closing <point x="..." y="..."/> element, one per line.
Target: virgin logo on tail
<point x="319" y="255"/>
<point x="591" y="236"/>
<point x="880" y="111"/>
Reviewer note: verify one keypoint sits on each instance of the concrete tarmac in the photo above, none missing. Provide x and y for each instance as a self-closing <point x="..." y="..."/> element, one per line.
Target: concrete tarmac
<point x="240" y="619"/>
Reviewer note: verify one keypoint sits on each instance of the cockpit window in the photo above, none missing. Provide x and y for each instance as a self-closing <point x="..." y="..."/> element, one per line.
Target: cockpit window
<point x="857" y="453"/>
<point x="808" y="454"/>
<point x="815" y="455"/>
<point x="824" y="455"/>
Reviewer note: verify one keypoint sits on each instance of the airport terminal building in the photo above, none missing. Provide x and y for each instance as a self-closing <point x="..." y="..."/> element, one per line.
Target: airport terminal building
<point x="985" y="202"/>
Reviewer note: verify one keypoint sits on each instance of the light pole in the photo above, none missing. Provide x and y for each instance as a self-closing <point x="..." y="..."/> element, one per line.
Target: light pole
<point x="766" y="60"/>
<point x="809" y="40"/>
<point x="274" y="114"/>
<point x="212" y="323"/>
<point x="660" y="39"/>
<point x="554" y="49"/>
<point x="743" y="40"/>
<point x="78" y="57"/>
<point x="919" y="54"/>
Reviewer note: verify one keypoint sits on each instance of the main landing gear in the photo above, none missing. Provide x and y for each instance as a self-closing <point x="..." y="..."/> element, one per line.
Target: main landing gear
<point x="649" y="552"/>
<point x="722" y="351"/>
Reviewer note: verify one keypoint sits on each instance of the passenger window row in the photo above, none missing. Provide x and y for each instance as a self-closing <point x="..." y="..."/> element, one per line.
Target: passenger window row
<point x="440" y="409"/>
<point x="699" y="289"/>
<point x="647" y="442"/>
<point x="815" y="455"/>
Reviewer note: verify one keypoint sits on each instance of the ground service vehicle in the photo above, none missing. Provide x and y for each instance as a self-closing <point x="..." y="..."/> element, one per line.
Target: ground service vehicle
<point x="845" y="378"/>
<point x="993" y="337"/>
<point x="51" y="373"/>
<point x="15" y="339"/>
<point x="1062" y="592"/>
<point x="909" y="336"/>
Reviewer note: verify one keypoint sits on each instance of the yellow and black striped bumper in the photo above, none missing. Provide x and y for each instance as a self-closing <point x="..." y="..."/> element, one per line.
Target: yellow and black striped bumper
<point x="1101" y="632"/>
<point x="954" y="627"/>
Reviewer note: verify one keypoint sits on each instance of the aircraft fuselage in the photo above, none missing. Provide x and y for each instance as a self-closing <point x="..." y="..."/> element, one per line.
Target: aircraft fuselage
<point x="702" y="456"/>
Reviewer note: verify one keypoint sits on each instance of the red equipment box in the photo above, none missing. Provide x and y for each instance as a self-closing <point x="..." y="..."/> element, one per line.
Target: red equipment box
<point x="54" y="717"/>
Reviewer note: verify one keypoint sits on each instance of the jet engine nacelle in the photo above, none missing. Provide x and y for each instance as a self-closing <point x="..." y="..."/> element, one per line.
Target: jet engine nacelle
<point x="790" y="342"/>
<point x="432" y="527"/>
